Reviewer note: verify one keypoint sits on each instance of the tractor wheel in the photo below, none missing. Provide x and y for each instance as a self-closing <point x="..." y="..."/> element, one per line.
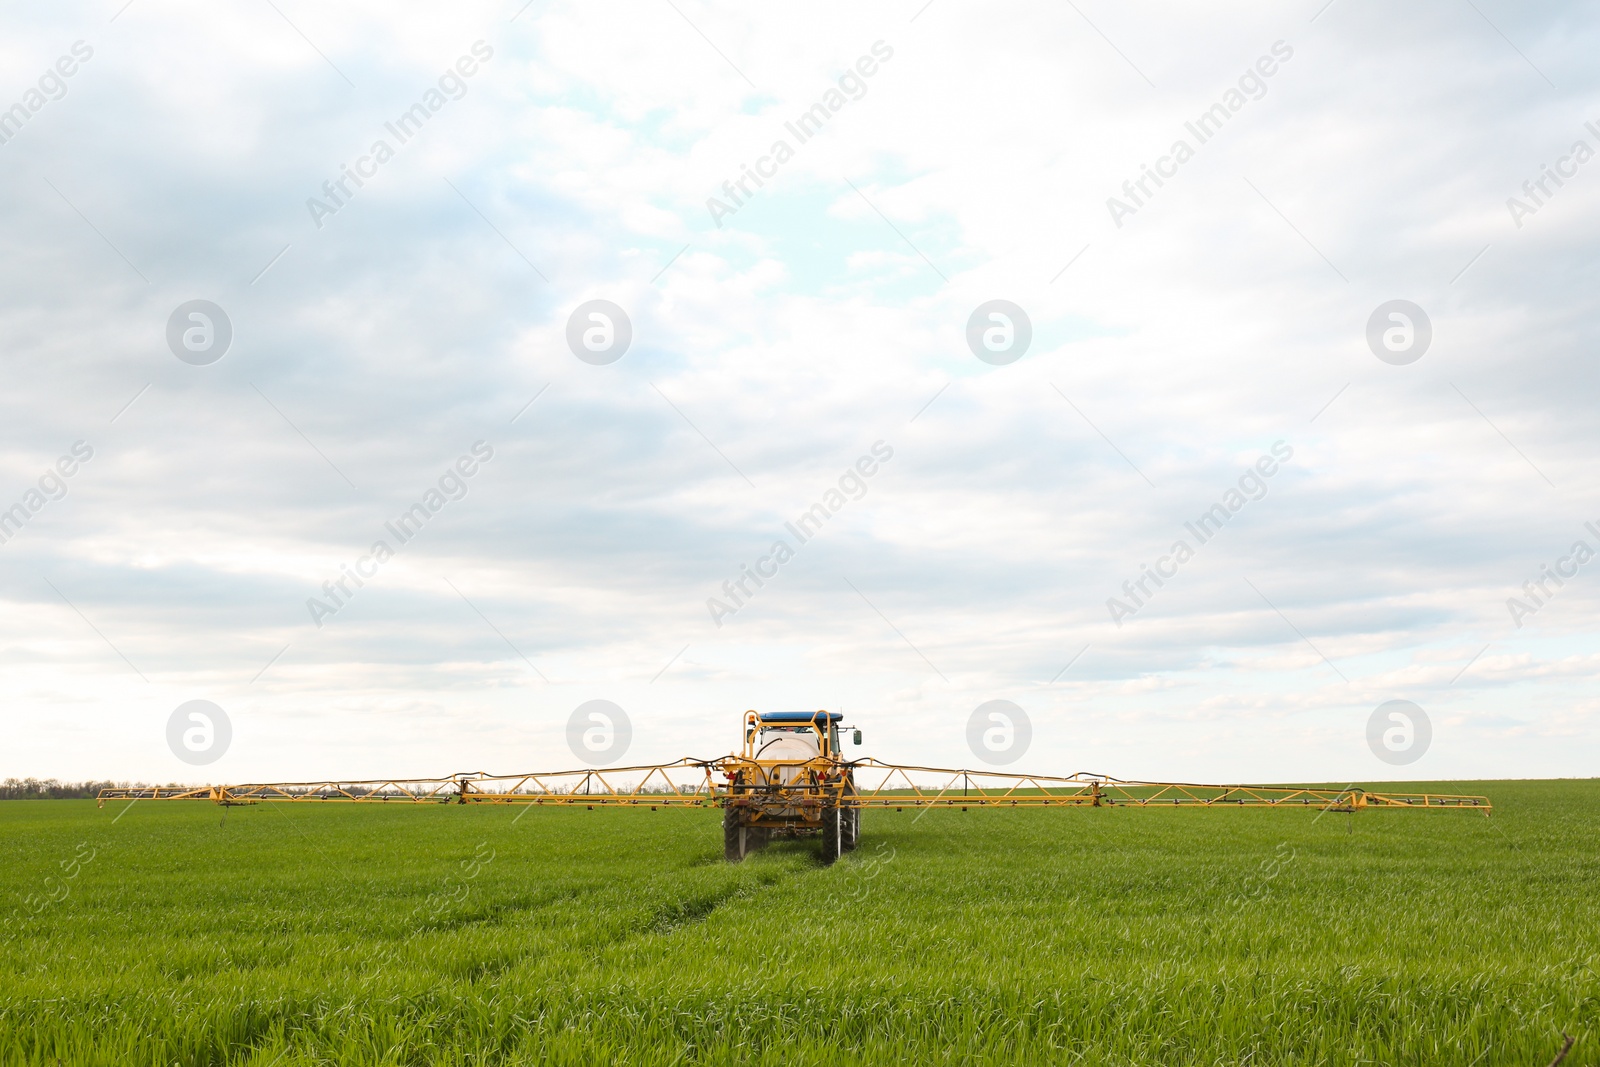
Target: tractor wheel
<point x="735" y="837"/>
<point x="852" y="820"/>
<point x="832" y="833"/>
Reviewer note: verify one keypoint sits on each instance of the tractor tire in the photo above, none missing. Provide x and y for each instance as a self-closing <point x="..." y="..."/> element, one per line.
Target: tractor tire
<point x="852" y="820"/>
<point x="833" y="820"/>
<point x="735" y="837"/>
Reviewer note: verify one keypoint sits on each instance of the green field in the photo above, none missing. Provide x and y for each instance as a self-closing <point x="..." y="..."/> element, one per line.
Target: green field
<point x="183" y="933"/>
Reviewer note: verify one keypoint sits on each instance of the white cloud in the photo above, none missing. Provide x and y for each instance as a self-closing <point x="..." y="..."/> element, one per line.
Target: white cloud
<point x="1220" y="318"/>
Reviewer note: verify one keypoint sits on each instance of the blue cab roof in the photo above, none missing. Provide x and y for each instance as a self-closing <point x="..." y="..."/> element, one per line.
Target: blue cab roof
<point x="800" y="716"/>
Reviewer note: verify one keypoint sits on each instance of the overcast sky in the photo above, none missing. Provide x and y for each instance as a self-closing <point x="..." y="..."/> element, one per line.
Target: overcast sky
<point x="779" y="333"/>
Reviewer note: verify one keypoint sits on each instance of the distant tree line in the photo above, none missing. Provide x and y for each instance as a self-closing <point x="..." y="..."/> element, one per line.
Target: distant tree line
<point x="51" y="789"/>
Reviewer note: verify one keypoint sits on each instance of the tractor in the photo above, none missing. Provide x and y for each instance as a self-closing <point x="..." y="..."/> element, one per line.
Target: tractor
<point x="792" y="780"/>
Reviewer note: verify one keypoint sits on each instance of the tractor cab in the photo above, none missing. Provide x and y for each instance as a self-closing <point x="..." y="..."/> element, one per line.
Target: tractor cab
<point x="794" y="735"/>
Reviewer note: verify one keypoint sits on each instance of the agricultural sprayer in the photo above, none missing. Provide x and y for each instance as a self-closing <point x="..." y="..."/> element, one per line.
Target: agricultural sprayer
<point x="792" y="779"/>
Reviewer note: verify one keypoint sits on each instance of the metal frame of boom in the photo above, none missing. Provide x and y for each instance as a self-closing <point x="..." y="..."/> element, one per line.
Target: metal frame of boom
<point x="863" y="783"/>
